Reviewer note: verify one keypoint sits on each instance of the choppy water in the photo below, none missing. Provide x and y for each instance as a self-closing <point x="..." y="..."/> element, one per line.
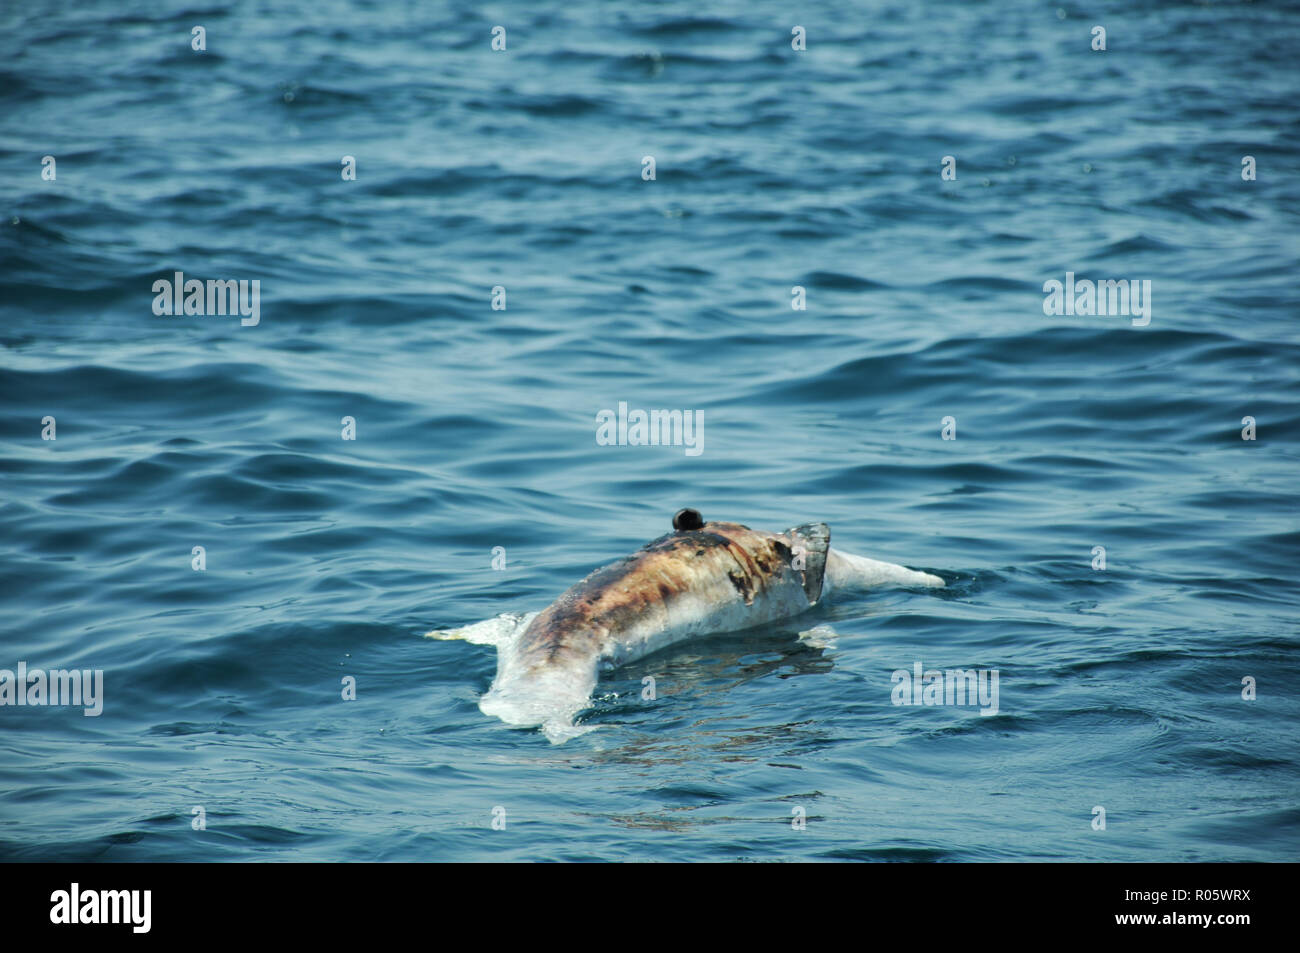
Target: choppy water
<point x="475" y="427"/>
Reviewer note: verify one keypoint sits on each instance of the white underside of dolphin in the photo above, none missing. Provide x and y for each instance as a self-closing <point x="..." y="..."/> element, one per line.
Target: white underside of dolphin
<point x="703" y="580"/>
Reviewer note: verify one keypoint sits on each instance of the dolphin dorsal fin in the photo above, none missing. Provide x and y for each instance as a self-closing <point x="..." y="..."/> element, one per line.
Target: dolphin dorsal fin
<point x="815" y="540"/>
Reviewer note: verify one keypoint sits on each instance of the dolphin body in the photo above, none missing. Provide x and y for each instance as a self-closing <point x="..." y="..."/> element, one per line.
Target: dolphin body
<point x="701" y="579"/>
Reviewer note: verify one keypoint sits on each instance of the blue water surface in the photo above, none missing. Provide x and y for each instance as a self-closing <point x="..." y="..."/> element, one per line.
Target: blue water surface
<point x="1120" y="688"/>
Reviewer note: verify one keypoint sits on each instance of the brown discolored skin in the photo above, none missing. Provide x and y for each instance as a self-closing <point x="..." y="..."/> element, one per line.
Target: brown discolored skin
<point x="744" y="576"/>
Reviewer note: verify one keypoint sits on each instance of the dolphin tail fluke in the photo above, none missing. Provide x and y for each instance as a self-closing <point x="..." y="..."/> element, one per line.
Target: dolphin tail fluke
<point x="847" y="571"/>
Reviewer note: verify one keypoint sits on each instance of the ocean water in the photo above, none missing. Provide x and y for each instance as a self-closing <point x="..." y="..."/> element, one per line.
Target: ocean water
<point x="326" y="559"/>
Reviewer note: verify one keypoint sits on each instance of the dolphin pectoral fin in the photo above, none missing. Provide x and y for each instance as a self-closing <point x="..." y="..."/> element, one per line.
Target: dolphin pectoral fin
<point x="498" y="631"/>
<point x="814" y="540"/>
